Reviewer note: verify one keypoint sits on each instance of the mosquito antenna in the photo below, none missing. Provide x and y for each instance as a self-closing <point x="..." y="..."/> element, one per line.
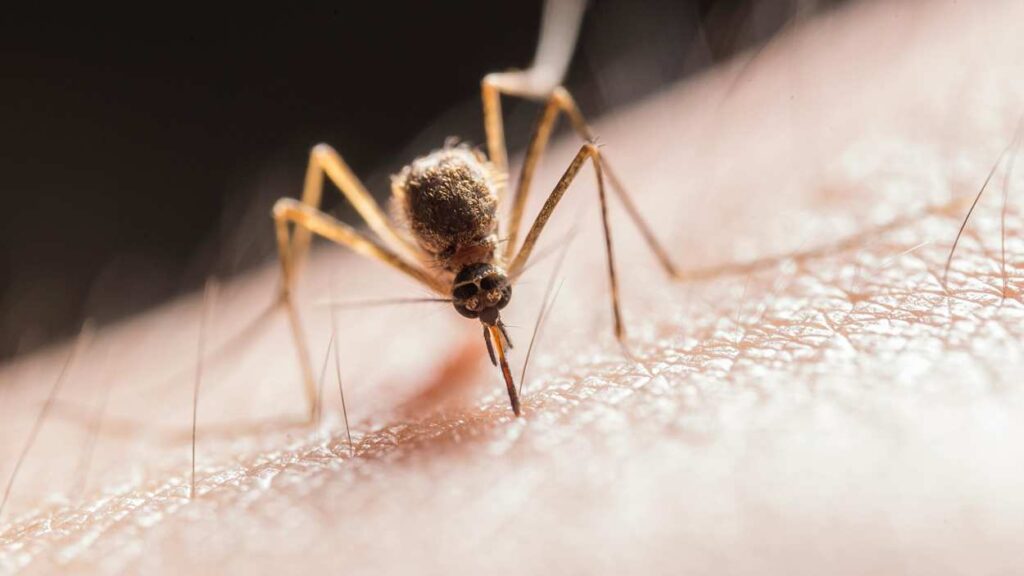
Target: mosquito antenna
<point x="342" y="305"/>
<point x="84" y="337"/>
<point x="337" y="370"/>
<point x="974" y="204"/>
<point x="209" y="295"/>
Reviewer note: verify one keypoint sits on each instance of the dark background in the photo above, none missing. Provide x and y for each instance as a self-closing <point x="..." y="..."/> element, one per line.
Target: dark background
<point x="141" y="151"/>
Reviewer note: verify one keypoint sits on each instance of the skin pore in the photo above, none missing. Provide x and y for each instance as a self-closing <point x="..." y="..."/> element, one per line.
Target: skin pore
<point x="837" y="409"/>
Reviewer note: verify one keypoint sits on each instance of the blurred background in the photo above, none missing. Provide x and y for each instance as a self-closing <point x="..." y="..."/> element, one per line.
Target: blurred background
<point x="141" y="151"/>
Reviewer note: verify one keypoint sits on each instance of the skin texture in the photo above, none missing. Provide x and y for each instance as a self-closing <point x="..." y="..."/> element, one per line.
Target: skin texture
<point x="833" y="408"/>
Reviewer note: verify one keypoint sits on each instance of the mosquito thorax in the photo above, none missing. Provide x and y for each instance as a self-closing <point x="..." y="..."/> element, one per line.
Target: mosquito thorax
<point x="448" y="201"/>
<point x="480" y="291"/>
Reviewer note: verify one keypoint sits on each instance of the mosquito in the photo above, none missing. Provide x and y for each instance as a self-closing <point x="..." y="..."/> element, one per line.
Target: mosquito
<point x="444" y="228"/>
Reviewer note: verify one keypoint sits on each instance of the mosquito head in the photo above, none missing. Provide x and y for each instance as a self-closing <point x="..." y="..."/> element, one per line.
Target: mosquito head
<point x="480" y="291"/>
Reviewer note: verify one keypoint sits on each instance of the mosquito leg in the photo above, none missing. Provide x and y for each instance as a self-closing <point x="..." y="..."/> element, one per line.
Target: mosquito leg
<point x="325" y="160"/>
<point x="559" y="28"/>
<point x="538" y="143"/>
<point x="638" y="220"/>
<point x="582" y="128"/>
<point x="306" y="218"/>
<point x="494" y="126"/>
<point x="587" y="152"/>
<point x="560" y="25"/>
<point x="557" y="100"/>
<point x="561" y="101"/>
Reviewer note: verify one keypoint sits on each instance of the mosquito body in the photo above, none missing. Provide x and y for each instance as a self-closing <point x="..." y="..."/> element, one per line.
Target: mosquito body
<point x="445" y="206"/>
<point x="444" y="233"/>
<point x="448" y="201"/>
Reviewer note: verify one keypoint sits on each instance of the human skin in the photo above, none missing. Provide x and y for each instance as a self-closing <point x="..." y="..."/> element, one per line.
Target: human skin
<point x="832" y="407"/>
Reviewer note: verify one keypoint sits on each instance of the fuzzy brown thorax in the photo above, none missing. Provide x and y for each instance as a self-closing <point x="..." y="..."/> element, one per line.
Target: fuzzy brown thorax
<point x="448" y="201"/>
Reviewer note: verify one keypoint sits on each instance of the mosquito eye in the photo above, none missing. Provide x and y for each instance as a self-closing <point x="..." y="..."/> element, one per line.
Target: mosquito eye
<point x="489" y="283"/>
<point x="464" y="291"/>
<point x="506" y="295"/>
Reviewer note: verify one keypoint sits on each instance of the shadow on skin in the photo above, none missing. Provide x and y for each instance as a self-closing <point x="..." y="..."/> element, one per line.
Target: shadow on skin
<point x="835" y="409"/>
